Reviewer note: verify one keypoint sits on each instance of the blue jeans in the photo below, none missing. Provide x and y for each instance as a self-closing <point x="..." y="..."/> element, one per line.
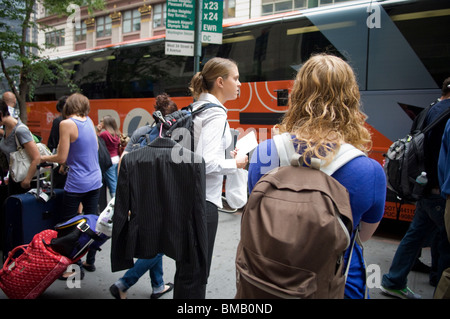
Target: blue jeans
<point x="154" y="266"/>
<point x="428" y="218"/>
<point x="111" y="179"/>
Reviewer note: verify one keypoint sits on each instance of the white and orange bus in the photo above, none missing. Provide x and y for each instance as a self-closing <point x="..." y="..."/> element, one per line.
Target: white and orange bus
<point x="400" y="51"/>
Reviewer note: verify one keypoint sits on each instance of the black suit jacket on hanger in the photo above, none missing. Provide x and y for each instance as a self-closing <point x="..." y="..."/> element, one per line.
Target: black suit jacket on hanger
<point x="162" y="185"/>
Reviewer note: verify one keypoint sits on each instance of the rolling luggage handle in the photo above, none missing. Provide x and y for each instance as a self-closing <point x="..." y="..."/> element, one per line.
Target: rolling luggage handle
<point x="37" y="191"/>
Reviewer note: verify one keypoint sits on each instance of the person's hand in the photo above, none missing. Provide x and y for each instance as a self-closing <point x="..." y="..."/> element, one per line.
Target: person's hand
<point x="25" y="184"/>
<point x="62" y="169"/>
<point x="241" y="161"/>
<point x="99" y="127"/>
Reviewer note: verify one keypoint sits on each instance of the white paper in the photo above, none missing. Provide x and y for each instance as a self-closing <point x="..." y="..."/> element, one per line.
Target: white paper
<point x="246" y="144"/>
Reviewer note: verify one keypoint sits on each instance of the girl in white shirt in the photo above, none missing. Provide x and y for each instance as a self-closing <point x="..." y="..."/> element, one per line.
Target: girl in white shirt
<point x="217" y="83"/>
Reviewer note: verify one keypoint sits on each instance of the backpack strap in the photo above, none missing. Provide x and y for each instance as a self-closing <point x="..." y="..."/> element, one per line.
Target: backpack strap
<point x="288" y="155"/>
<point x="285" y="148"/>
<point x="204" y="106"/>
<point x="346" y="153"/>
<point x="18" y="144"/>
<point x="442" y="116"/>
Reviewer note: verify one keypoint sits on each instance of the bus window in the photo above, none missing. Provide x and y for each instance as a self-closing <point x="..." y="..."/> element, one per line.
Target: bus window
<point x="427" y="32"/>
<point x="410" y="49"/>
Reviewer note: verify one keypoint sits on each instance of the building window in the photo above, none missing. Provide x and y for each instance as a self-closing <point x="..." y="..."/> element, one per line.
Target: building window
<point x="131" y="21"/>
<point x="277" y="6"/>
<point x="54" y="38"/>
<point x="159" y="15"/>
<point x="328" y="2"/>
<point x="103" y="26"/>
<point x="80" y="33"/>
<point x="229" y="9"/>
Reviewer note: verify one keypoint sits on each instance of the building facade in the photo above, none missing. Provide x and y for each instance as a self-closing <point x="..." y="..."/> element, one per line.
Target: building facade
<point x="128" y="20"/>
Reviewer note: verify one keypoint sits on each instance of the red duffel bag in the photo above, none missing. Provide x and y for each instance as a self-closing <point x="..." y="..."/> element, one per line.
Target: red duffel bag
<point x="34" y="270"/>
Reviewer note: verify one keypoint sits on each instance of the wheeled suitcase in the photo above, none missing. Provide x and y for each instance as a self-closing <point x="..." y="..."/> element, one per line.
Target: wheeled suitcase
<point x="30" y="269"/>
<point x="34" y="270"/>
<point x="30" y="213"/>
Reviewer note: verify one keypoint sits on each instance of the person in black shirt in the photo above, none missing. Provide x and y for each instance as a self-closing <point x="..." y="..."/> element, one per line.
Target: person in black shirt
<point x="59" y="178"/>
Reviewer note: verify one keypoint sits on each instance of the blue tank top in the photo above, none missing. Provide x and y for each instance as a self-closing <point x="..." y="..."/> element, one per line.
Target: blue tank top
<point x="84" y="171"/>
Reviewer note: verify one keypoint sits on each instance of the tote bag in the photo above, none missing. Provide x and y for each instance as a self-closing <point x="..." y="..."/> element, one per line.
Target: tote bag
<point x="20" y="161"/>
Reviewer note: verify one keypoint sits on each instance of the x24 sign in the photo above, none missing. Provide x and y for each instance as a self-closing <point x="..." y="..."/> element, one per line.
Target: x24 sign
<point x="212" y="19"/>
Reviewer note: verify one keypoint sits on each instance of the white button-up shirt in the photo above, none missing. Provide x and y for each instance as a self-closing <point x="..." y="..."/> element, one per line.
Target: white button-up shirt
<point x="212" y="132"/>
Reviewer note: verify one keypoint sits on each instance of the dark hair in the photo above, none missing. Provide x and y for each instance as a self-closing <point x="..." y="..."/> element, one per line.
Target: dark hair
<point x="77" y="104"/>
<point x="60" y="103"/>
<point x="4" y="111"/>
<point x="164" y="104"/>
<point x="446" y="87"/>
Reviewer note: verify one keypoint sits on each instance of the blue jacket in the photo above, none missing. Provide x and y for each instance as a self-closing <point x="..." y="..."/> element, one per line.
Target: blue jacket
<point x="433" y="143"/>
<point x="444" y="162"/>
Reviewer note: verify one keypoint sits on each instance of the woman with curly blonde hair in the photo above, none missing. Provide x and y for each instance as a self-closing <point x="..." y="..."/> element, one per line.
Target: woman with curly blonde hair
<point x="324" y="108"/>
<point x="324" y="114"/>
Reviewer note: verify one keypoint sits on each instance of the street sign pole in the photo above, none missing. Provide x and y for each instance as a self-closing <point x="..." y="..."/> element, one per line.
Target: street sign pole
<point x="198" y="36"/>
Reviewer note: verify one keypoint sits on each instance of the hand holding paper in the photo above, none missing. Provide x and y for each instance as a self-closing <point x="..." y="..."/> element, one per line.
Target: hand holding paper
<point x="246" y="144"/>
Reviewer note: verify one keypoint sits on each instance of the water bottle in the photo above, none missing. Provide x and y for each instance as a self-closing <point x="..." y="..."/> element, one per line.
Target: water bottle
<point x="419" y="185"/>
<point x="422" y="179"/>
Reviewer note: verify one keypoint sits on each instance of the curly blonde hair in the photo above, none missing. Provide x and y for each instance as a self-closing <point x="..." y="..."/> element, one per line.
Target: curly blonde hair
<point x="324" y="109"/>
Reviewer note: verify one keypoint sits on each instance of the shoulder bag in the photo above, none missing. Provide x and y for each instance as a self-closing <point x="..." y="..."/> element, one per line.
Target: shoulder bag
<point x="20" y="161"/>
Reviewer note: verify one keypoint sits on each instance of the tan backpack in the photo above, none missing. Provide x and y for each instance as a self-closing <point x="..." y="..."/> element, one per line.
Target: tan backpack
<point x="295" y="229"/>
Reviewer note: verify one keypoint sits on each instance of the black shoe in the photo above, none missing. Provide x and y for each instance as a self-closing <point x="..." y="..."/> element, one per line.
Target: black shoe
<point x="115" y="291"/>
<point x="90" y="268"/>
<point x="421" y="267"/>
<point x="158" y="295"/>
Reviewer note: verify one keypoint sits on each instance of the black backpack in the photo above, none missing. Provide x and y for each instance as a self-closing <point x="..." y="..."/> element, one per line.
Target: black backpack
<point x="165" y="126"/>
<point x="405" y="159"/>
